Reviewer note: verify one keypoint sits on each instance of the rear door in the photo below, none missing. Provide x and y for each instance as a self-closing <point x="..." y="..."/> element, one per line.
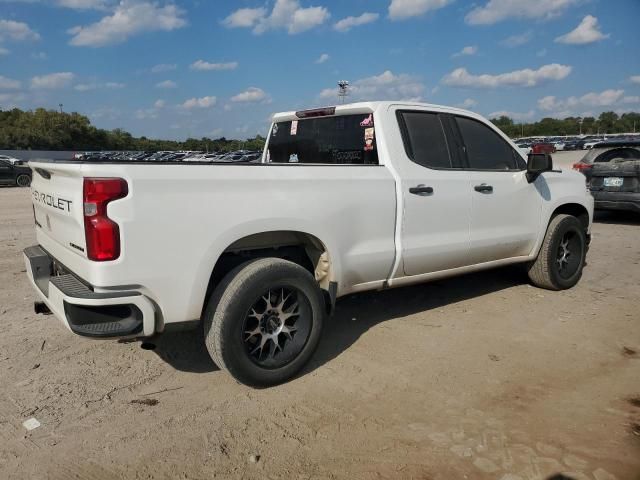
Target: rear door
<point x="505" y="208"/>
<point x="436" y="194"/>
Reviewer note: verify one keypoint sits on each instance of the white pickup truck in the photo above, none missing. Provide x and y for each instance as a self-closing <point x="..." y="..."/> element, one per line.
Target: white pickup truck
<point x="345" y="199"/>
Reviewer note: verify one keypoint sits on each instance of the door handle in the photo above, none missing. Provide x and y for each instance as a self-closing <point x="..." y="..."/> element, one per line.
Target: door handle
<point x="421" y="190"/>
<point x="484" y="188"/>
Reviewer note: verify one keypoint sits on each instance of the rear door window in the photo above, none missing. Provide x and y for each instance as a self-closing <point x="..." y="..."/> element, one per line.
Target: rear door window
<point x="486" y="150"/>
<point x="338" y="140"/>
<point x="424" y="137"/>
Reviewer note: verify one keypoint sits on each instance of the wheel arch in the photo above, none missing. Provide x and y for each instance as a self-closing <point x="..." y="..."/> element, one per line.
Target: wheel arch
<point x="575" y="209"/>
<point x="302" y="248"/>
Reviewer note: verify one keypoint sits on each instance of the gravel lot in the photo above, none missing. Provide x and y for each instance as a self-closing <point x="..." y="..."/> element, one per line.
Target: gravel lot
<point x="479" y="377"/>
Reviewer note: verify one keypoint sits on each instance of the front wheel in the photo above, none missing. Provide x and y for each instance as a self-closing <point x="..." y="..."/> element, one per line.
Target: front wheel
<point x="263" y="321"/>
<point x="562" y="255"/>
<point x="23" y="180"/>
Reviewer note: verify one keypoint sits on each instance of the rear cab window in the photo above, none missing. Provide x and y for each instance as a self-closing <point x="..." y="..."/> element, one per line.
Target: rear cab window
<point x="424" y="139"/>
<point x="333" y="140"/>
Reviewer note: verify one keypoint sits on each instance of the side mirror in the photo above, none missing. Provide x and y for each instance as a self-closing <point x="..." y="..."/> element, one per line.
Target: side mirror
<point x="538" y="163"/>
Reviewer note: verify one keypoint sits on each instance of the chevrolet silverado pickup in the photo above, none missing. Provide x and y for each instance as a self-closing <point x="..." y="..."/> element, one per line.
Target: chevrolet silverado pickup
<point x="345" y="199"/>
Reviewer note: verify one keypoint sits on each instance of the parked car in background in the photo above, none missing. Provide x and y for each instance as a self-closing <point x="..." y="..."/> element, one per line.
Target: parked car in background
<point x="591" y="143"/>
<point x="571" y="144"/>
<point x="543" y="147"/>
<point x="11" y="160"/>
<point x="606" y="152"/>
<point x="615" y="185"/>
<point x="14" y="174"/>
<point x="558" y="145"/>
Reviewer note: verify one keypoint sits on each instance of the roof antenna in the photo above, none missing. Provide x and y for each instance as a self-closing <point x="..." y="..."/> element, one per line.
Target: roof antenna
<point x="343" y="90"/>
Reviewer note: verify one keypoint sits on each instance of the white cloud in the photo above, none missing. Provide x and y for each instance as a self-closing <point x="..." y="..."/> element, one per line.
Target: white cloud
<point x="4" y="51"/>
<point x="527" y="77"/>
<point x="159" y="103"/>
<point x="497" y="10"/>
<point x="83" y="4"/>
<point x="467" y="51"/>
<point x="403" y="9"/>
<point x="635" y="79"/>
<point x="9" y="83"/>
<point x="245" y="18"/>
<point x="387" y="85"/>
<point x="204" y="102"/>
<point x="11" y="100"/>
<point x="631" y="99"/>
<point x="251" y="95"/>
<point x="541" y="53"/>
<point x="52" y="80"/>
<point x="586" y="32"/>
<point x="606" y="98"/>
<point x="286" y="14"/>
<point x="517" y="40"/>
<point x="167" y="84"/>
<point x="323" y="58"/>
<point x="468" y="103"/>
<point x="348" y="23"/>
<point x="129" y="18"/>
<point x="12" y="30"/>
<point x="39" y="56"/>
<point x="514" y="115"/>
<point x="163" y="67"/>
<point x="85" y="87"/>
<point x="201" y="65"/>
<point x="145" y="114"/>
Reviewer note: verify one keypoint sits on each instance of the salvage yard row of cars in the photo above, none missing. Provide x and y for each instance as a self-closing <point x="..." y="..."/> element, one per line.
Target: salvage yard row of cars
<point x="557" y="144"/>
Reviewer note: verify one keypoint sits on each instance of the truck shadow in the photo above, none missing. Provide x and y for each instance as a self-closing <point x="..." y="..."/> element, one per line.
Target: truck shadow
<point x="354" y="316"/>
<point x="614" y="217"/>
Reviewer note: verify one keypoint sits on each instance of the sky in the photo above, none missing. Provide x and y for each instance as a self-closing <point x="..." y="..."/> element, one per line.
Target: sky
<point x="194" y="68"/>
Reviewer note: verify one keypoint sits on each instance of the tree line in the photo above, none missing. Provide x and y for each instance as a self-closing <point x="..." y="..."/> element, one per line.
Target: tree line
<point x="606" y="123"/>
<point x="43" y="129"/>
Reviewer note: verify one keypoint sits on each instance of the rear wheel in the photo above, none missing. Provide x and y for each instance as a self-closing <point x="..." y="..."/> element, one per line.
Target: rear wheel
<point x="23" y="180"/>
<point x="561" y="258"/>
<point x="263" y="321"/>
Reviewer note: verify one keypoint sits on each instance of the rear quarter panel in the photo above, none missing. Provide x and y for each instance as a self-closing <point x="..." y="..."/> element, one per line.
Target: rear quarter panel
<point x="178" y="219"/>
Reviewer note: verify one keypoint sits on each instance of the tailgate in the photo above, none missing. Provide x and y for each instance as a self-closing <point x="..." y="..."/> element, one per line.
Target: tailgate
<point x="56" y="194"/>
<point x="616" y="177"/>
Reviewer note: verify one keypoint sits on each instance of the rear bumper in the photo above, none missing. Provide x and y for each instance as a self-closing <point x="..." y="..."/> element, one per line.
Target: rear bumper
<point x="108" y="314"/>
<point x="616" y="200"/>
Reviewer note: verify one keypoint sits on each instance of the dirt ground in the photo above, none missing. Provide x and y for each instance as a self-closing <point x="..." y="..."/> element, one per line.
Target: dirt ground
<point x="478" y="377"/>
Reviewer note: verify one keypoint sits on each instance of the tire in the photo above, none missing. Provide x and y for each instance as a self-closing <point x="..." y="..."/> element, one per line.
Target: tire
<point x="240" y="322"/>
<point x="23" y="180"/>
<point x="561" y="258"/>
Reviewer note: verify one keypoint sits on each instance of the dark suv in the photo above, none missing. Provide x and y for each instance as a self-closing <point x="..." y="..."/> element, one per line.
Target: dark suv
<point x="16" y="174"/>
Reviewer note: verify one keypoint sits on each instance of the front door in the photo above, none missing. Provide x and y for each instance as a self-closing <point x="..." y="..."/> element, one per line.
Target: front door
<point x="505" y="209"/>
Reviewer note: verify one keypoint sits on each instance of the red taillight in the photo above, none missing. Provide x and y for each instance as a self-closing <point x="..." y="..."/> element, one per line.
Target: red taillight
<point x="581" y="166"/>
<point x="102" y="233"/>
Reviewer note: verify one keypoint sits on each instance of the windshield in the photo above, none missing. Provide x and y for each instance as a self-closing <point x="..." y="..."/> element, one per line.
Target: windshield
<point x="345" y="139"/>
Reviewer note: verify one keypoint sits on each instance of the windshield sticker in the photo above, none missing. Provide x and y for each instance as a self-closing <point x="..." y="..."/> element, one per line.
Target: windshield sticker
<point x="293" y="158"/>
<point x="368" y="139"/>
<point x="294" y="127"/>
<point x="367" y="122"/>
<point x="274" y="131"/>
